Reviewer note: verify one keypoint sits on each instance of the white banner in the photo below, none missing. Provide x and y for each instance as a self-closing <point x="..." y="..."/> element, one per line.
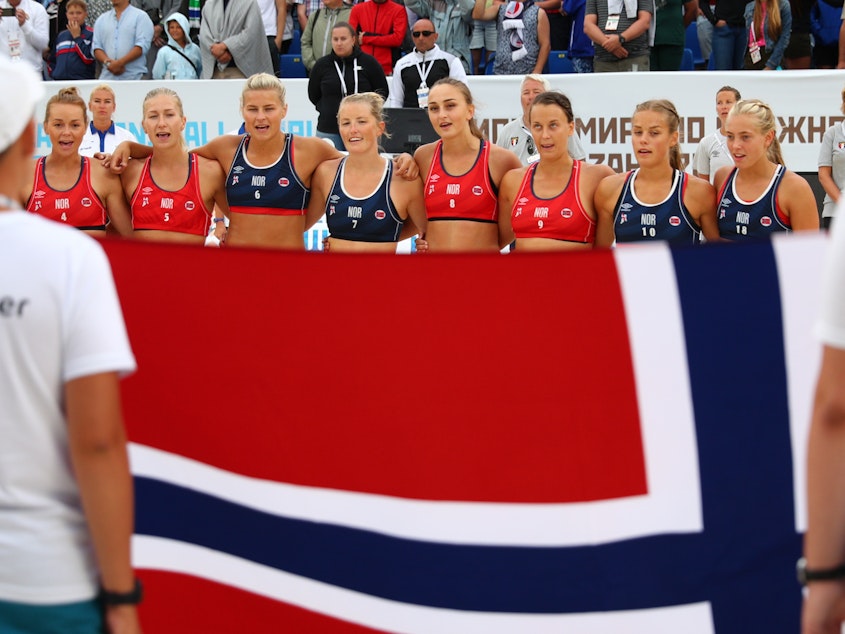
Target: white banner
<point x="805" y="102"/>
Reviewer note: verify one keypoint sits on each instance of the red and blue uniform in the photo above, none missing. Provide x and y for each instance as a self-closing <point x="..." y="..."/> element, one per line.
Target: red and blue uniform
<point x="562" y="217"/>
<point x="183" y="211"/>
<point x="469" y="196"/>
<point x="369" y="219"/>
<point x="274" y="190"/>
<point x="78" y="206"/>
<point x="740" y="219"/>
<point x="668" y="220"/>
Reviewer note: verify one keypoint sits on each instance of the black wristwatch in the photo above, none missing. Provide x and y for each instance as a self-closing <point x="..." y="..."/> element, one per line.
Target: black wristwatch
<point x="806" y="575"/>
<point x="622" y="39"/>
<point x="133" y="597"/>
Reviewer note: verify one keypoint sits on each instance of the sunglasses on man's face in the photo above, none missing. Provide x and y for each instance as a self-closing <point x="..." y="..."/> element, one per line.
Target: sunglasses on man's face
<point x="422" y="33"/>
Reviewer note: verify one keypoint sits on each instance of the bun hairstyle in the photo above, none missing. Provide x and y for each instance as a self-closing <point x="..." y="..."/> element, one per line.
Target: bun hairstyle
<point x="462" y="88"/>
<point x="673" y="120"/>
<point x="764" y="120"/>
<point x="373" y="101"/>
<point x="68" y="96"/>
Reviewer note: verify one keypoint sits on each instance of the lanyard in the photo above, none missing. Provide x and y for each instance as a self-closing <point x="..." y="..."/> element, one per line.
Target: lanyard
<point x="424" y="76"/>
<point x="355" y="68"/>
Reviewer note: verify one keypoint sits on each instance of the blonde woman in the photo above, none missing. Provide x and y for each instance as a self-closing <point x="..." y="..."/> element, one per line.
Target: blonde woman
<point x="172" y="193"/>
<point x="759" y="196"/>
<point x="367" y="208"/>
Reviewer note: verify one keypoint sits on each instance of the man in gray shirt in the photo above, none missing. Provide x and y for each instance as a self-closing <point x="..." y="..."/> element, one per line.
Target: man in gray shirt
<point x="619" y="30"/>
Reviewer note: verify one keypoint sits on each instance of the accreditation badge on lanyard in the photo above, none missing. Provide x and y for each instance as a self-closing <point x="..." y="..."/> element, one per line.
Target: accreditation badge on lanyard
<point x="612" y="23"/>
<point x="14" y="48"/>
<point x="422" y="91"/>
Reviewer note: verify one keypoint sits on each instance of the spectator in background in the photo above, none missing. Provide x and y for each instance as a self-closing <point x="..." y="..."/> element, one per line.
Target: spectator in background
<point x="316" y="39"/>
<point x="347" y="70"/>
<point x="769" y="24"/>
<point x="620" y="34"/>
<point x="671" y="18"/>
<point x="304" y="9"/>
<point x="451" y="20"/>
<point x="232" y="40"/>
<point x="832" y="167"/>
<point x="417" y="71"/>
<point x="274" y="15"/>
<point x="102" y="134"/>
<point x="580" y="45"/>
<point x="799" y="53"/>
<point x="825" y="22"/>
<point x="483" y="38"/>
<point x="560" y="24"/>
<point x="164" y="9"/>
<point x="74" y="60"/>
<point x="523" y="36"/>
<point x="181" y="58"/>
<point x="122" y="38"/>
<point x="730" y="37"/>
<point x="25" y="35"/>
<point x="381" y="26"/>
<point x="704" y="29"/>
<point x="516" y="135"/>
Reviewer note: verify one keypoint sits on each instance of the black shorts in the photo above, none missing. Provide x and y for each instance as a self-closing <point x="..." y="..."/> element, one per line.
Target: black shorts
<point x="799" y="46"/>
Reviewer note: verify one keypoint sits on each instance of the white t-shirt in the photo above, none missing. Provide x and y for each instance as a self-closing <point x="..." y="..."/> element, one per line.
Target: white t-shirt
<point x="60" y="319"/>
<point x="91" y="141"/>
<point x="712" y="154"/>
<point x="831" y="326"/>
<point x="517" y="139"/>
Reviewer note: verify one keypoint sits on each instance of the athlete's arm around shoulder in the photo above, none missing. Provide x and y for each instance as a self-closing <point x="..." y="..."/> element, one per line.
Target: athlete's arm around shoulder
<point x="423" y="157"/>
<point x="130" y="176"/>
<point x="126" y="150"/>
<point x="213" y="183"/>
<point x="321" y="183"/>
<point x="796" y="199"/>
<point x="700" y="200"/>
<point x="604" y="202"/>
<point x="221" y="149"/>
<point x="408" y="196"/>
<point x="501" y="162"/>
<point x="110" y="190"/>
<point x="508" y="191"/>
<point x="309" y="152"/>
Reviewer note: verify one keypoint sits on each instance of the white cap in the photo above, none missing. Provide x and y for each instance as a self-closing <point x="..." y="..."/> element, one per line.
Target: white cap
<point x="22" y="89"/>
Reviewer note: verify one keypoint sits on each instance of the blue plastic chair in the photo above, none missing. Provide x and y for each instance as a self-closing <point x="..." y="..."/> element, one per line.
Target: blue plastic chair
<point x="295" y="44"/>
<point x="291" y="66"/>
<point x="692" y="43"/>
<point x="488" y="67"/>
<point x="687" y="60"/>
<point x="559" y="63"/>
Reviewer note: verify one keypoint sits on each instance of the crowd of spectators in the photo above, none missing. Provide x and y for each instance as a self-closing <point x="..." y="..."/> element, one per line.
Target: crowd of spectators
<point x="186" y="39"/>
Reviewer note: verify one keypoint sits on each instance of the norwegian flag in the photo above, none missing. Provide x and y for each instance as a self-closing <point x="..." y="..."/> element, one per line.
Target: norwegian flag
<point x="595" y="449"/>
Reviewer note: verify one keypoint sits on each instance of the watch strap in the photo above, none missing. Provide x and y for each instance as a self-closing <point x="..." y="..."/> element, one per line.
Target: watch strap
<point x="805" y="575"/>
<point x="133" y="597"/>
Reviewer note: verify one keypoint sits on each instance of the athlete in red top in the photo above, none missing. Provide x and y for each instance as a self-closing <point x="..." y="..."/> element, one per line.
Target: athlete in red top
<point x="464" y="173"/>
<point x="69" y="188"/>
<point x="535" y="209"/>
<point x="172" y="192"/>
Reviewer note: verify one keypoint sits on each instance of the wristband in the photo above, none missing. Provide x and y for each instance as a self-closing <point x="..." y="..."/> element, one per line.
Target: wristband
<point x="134" y="597"/>
<point x="216" y="220"/>
<point x="806" y="575"/>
